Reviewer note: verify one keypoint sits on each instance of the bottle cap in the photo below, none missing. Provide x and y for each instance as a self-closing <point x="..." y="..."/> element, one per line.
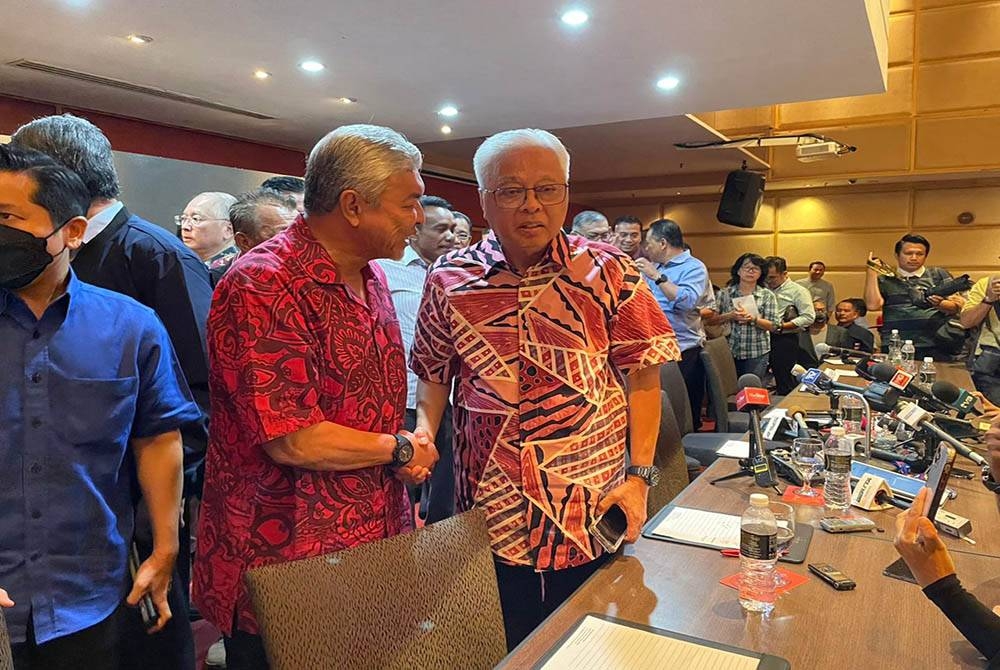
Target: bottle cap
<point x="838" y="431"/>
<point x="908" y="342"/>
<point x="895" y="331"/>
<point x="928" y="359"/>
<point x="759" y="500"/>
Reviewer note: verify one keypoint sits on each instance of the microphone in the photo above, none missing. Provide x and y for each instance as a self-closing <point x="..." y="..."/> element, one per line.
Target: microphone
<point x="883" y="498"/>
<point x="903" y="381"/>
<point x="823" y="349"/>
<point x="916" y="418"/>
<point x="957" y="398"/>
<point x="753" y="398"/>
<point x="798" y="417"/>
<point x="880" y="396"/>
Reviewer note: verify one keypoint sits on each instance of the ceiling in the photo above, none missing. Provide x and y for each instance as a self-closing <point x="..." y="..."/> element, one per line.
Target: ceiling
<point x="503" y="64"/>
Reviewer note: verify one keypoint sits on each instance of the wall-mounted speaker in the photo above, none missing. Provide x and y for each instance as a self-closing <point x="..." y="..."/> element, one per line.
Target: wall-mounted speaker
<point x="741" y="198"/>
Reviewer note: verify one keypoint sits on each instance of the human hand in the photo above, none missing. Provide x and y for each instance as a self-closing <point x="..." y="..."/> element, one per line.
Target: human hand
<point x="993" y="289"/>
<point x="5" y="600"/>
<point x="917" y="541"/>
<point x="990" y="411"/>
<point x="414" y="476"/>
<point x="631" y="497"/>
<point x="153" y="577"/>
<point x="425" y="454"/>
<point x="934" y="300"/>
<point x="740" y="315"/>
<point x="647" y="268"/>
<point x="993" y="441"/>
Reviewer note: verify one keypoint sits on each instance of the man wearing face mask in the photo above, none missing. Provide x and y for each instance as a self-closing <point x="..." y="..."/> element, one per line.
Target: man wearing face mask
<point x="93" y="399"/>
<point x="821" y="331"/>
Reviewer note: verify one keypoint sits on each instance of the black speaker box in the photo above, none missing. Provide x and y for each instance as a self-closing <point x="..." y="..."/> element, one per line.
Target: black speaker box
<point x="741" y="198"/>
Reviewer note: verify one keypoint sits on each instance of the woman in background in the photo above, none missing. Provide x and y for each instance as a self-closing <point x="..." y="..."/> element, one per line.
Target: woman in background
<point x="749" y="335"/>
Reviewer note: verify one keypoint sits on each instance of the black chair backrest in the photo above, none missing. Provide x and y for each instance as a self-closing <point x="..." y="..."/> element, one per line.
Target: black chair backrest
<point x="669" y="457"/>
<point x="717" y="377"/>
<point x="672" y="381"/>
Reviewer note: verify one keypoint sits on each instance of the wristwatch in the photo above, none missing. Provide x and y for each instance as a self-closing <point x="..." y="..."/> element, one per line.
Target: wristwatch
<point x="990" y="483"/>
<point x="403" y="452"/>
<point x="662" y="278"/>
<point x="648" y="473"/>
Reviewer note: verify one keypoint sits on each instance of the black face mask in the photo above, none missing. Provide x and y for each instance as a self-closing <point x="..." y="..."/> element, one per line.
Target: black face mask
<point x="821" y="317"/>
<point x="22" y="257"/>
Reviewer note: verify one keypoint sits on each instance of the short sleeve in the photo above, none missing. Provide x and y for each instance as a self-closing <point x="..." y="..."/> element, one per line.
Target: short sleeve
<point x="976" y="294"/>
<point x="262" y="358"/>
<point x="640" y="335"/>
<point x="723" y="302"/>
<point x="164" y="402"/>
<point x="434" y="357"/>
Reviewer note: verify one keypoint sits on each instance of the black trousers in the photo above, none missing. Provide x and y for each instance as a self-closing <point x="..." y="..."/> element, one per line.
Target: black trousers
<point x="527" y="597"/>
<point x="693" y="370"/>
<point x="94" y="648"/>
<point x="784" y="356"/>
<point x="440" y="488"/>
<point x="245" y="651"/>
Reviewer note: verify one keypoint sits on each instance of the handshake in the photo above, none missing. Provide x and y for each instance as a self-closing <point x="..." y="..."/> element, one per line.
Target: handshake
<point x="425" y="455"/>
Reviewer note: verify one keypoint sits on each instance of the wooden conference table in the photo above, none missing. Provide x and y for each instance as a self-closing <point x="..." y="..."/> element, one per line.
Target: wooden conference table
<point x="882" y="623"/>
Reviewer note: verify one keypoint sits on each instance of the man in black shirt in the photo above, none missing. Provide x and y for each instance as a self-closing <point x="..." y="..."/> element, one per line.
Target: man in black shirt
<point x="848" y="312"/>
<point x="126" y="254"/>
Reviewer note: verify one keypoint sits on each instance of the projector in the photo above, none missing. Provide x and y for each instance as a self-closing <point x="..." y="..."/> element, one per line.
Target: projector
<point x="816" y="151"/>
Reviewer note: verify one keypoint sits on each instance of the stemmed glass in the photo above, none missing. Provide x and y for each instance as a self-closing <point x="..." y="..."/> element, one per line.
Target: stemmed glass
<point x="807" y="457"/>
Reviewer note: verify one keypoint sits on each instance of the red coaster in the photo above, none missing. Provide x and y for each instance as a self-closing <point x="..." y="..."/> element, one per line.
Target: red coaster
<point x="791" y="495"/>
<point x="792" y="579"/>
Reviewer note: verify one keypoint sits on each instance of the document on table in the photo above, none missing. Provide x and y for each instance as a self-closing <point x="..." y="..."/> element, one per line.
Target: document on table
<point x="734" y="449"/>
<point x="696" y="526"/>
<point x="748" y="303"/>
<point x="598" y="644"/>
<point x="837" y="375"/>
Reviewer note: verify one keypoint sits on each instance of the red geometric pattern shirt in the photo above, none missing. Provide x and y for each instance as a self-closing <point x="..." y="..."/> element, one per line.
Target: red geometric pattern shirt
<point x="540" y="412"/>
<point x="289" y="346"/>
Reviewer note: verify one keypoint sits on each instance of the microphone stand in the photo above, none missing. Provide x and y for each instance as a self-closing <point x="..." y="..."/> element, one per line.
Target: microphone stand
<point x="757" y="464"/>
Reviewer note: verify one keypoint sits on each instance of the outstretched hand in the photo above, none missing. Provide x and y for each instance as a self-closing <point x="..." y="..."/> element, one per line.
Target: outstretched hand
<point x="918" y="542"/>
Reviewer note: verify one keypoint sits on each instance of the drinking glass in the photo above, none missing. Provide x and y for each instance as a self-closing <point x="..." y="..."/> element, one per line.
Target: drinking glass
<point x="784" y="514"/>
<point x="807" y="457"/>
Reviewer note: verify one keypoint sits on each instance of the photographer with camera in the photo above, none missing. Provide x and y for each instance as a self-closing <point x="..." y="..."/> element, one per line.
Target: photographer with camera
<point x="917" y="300"/>
<point x="981" y="312"/>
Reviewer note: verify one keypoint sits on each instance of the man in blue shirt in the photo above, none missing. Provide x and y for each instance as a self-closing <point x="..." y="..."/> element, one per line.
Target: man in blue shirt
<point x="680" y="283"/>
<point x="91" y="399"/>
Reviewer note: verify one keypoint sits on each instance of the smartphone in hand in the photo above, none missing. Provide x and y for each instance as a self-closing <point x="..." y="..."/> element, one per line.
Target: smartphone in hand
<point x="609" y="530"/>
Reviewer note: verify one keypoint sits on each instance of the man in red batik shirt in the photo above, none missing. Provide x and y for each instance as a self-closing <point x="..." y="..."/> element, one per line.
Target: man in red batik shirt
<point x="308" y="383"/>
<point x="556" y="343"/>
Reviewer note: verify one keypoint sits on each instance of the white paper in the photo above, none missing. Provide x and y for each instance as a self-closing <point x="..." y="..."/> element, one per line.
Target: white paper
<point x="779" y="412"/>
<point x="839" y="374"/>
<point x="749" y="304"/>
<point x="701" y="527"/>
<point x="734" y="449"/>
<point x="597" y="644"/>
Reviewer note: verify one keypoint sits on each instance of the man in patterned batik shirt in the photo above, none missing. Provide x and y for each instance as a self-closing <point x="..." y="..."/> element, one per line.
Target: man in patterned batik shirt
<point x="306" y="454"/>
<point x="555" y="341"/>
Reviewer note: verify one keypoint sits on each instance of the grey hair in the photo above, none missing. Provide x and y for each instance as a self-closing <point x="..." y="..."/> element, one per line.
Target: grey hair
<point x="218" y="203"/>
<point x="79" y="145"/>
<point x="243" y="212"/>
<point x="585" y="217"/>
<point x="357" y="157"/>
<point x="495" y="145"/>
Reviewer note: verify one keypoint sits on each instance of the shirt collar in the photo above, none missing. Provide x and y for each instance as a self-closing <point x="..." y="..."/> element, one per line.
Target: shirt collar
<point x="678" y="259"/>
<point x="559" y="251"/>
<point x="900" y="272"/>
<point x="411" y="257"/>
<point x="7" y="297"/>
<point x="97" y="223"/>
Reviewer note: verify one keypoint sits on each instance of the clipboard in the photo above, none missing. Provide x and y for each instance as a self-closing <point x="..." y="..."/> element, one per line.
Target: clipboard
<point x="743" y="656"/>
<point x="797" y="550"/>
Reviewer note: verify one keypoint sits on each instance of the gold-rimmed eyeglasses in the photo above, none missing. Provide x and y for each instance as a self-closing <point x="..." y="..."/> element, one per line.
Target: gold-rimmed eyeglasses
<point x="512" y="197"/>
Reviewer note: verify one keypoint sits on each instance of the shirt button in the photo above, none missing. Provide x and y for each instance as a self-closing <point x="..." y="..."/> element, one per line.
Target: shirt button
<point x="36" y="423"/>
<point x="35" y="556"/>
<point x="36" y="377"/>
<point x="35" y="335"/>
<point x="36" y="514"/>
<point x="35" y="468"/>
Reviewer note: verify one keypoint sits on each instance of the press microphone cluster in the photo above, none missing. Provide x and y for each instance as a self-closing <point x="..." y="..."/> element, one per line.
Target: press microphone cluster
<point x="880" y="396"/>
<point x="956" y="398"/>
<point x="904" y="383"/>
<point x="823" y="350"/>
<point x="918" y="418"/>
<point x="753" y="398"/>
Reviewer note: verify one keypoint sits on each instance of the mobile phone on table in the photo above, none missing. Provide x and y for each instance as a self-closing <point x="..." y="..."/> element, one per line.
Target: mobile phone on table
<point x="832" y="576"/>
<point x="846" y="525"/>
<point x="610" y="528"/>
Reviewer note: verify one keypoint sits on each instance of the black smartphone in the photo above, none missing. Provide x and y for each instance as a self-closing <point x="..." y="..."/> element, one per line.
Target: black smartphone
<point x="832" y="576"/>
<point x="147" y="610"/>
<point x="609" y="530"/>
<point x="937" y="478"/>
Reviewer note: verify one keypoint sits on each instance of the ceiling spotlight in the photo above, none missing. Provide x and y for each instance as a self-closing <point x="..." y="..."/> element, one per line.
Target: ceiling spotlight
<point x="446" y="130"/>
<point x="261" y="74"/>
<point x="668" y="83"/>
<point x="347" y="101"/>
<point x="575" y="17"/>
<point x="139" y="39"/>
<point x="448" y="110"/>
<point x="312" y="66"/>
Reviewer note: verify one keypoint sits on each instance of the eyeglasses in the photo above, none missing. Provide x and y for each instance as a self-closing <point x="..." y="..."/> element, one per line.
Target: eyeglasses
<point x="598" y="236"/>
<point x="195" y="221"/>
<point x="750" y="268"/>
<point x="512" y="197"/>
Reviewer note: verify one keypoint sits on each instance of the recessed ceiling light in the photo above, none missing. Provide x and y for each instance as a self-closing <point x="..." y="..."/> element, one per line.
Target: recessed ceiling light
<point x="139" y="39"/>
<point x="261" y="74"/>
<point x="446" y="130"/>
<point x="312" y="66"/>
<point x="668" y="83"/>
<point x="347" y="101"/>
<point x="448" y="110"/>
<point x="575" y="17"/>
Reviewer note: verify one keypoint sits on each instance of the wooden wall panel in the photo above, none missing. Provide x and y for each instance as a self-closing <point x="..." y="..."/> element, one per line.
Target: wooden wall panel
<point x="896" y="101"/>
<point x="719" y="252"/>
<point x="958" y="85"/>
<point x="963" y="30"/>
<point x="881" y="148"/>
<point x="841" y="249"/>
<point x="964" y="142"/>
<point x="873" y="211"/>
<point x="699" y="217"/>
<point x="896" y="6"/>
<point x="901" y="39"/>
<point x="846" y="283"/>
<point x="937" y="208"/>
<point x="966" y="248"/>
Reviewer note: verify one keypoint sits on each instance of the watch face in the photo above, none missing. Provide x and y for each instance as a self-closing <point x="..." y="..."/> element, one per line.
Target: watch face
<point x="654" y="476"/>
<point x="403" y="451"/>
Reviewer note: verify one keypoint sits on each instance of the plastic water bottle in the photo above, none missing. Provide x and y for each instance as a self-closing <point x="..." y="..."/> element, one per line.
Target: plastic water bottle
<point x="758" y="555"/>
<point x="894" y="348"/>
<point x="837" y="453"/>
<point x="928" y="373"/>
<point x="908" y="354"/>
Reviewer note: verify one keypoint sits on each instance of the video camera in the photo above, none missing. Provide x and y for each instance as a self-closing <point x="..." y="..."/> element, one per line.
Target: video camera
<point x="919" y="296"/>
